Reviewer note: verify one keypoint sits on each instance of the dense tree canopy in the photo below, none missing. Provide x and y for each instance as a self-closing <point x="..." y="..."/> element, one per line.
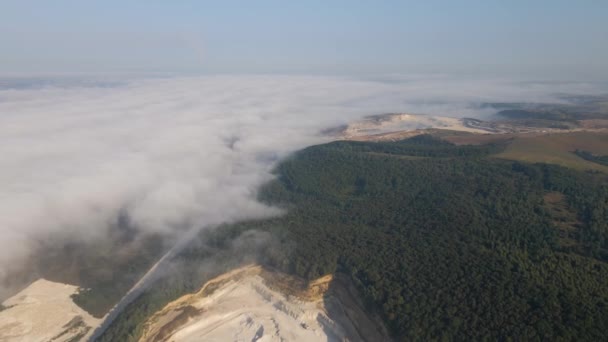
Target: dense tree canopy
<point x="444" y="242"/>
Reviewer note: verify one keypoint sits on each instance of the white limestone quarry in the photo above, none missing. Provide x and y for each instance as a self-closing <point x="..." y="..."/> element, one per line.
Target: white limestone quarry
<point x="44" y="311"/>
<point x="254" y="304"/>
<point x="400" y="126"/>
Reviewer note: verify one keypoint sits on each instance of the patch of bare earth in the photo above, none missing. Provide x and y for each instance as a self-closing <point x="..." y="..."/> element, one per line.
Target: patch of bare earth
<point x="44" y="311"/>
<point x="258" y="304"/>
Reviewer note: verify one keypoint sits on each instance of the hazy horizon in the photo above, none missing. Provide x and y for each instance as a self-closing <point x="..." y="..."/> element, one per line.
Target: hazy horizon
<point x="556" y="40"/>
<point x="422" y="170"/>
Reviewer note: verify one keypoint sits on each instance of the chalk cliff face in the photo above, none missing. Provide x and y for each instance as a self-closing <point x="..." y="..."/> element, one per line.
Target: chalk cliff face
<point x="257" y="304"/>
<point x="44" y="311"/>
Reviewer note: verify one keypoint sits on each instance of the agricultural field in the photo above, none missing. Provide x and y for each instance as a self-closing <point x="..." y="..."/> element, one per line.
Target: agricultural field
<point x="552" y="148"/>
<point x="558" y="149"/>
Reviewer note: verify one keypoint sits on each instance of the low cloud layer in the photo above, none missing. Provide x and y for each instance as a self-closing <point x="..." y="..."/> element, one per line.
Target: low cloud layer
<point x="187" y="152"/>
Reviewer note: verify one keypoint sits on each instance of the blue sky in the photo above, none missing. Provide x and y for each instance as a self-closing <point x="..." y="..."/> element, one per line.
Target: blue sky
<point x="557" y="39"/>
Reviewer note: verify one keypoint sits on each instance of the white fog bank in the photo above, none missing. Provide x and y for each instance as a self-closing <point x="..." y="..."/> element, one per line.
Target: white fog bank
<point x="189" y="151"/>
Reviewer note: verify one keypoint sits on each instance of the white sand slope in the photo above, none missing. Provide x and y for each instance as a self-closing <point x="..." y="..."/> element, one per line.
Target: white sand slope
<point x="248" y="310"/>
<point x="402" y="123"/>
<point x="240" y="306"/>
<point x="44" y="311"/>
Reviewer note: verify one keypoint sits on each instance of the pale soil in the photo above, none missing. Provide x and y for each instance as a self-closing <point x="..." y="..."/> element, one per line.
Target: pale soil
<point x="44" y="311"/>
<point x="400" y="126"/>
<point x="255" y="304"/>
<point x="395" y="127"/>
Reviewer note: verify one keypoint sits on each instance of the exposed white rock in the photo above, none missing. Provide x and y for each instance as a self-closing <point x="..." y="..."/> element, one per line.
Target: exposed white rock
<point x="44" y="311"/>
<point x="243" y="307"/>
<point x="402" y="123"/>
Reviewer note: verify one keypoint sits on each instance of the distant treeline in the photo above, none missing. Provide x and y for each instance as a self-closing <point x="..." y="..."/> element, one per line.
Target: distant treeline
<point x="592" y="157"/>
<point x="444" y="242"/>
<point x="578" y="108"/>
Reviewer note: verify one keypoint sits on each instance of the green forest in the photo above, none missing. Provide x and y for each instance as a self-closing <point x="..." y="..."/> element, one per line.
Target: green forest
<point x="444" y="242"/>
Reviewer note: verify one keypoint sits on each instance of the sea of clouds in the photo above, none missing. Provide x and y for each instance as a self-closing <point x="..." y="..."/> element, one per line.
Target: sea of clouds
<point x="174" y="152"/>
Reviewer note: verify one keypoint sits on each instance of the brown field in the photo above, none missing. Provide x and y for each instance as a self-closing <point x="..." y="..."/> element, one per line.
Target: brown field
<point x="539" y="147"/>
<point x="594" y="123"/>
<point x="558" y="148"/>
<point x="533" y="147"/>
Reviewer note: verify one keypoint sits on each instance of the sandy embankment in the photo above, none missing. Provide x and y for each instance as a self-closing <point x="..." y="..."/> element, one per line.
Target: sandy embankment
<point x="392" y="127"/>
<point x="44" y="311"/>
<point x="255" y="304"/>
